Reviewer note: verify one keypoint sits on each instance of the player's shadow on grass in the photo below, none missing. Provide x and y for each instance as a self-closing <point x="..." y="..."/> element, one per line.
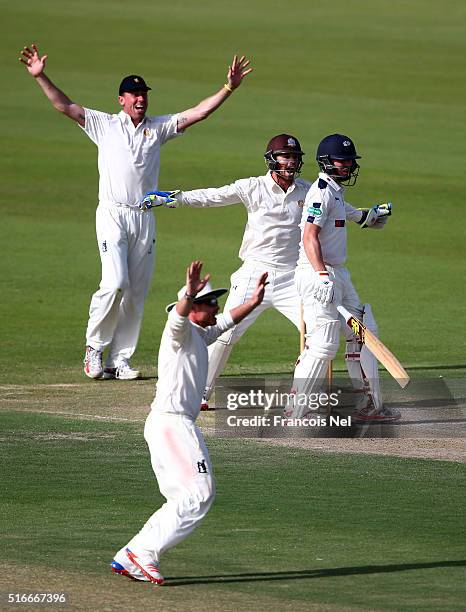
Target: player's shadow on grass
<point x="310" y="573"/>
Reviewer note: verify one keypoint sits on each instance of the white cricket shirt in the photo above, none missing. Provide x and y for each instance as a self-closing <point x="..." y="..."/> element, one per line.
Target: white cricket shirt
<point x="129" y="157"/>
<point x="272" y="231"/>
<point x="325" y="206"/>
<point x="183" y="363"/>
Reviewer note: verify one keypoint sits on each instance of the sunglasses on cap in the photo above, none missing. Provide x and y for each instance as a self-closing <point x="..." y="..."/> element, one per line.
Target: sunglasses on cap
<point x="209" y="301"/>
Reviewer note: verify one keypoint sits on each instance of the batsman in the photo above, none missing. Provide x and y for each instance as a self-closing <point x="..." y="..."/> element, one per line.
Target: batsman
<point x="324" y="283"/>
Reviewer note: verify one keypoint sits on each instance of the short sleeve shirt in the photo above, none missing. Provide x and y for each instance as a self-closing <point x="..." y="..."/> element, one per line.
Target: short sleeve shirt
<point x="325" y="207"/>
<point x="129" y="157"/>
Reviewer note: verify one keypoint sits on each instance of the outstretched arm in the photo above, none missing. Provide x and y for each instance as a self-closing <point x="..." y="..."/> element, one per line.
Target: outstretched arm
<point x="35" y="65"/>
<point x="236" y="73"/>
<point x="196" y="198"/>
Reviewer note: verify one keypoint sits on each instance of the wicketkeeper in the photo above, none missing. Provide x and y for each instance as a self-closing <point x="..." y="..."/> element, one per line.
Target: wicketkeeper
<point x="178" y="452"/>
<point x="274" y="203"/>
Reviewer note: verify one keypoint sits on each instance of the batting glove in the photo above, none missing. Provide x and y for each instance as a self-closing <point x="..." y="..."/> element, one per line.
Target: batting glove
<point x="159" y="198"/>
<point x="323" y="291"/>
<point x="377" y="216"/>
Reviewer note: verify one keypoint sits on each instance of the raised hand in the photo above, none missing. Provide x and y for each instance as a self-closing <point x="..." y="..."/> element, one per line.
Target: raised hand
<point x="258" y="294"/>
<point x="32" y="60"/>
<point x="194" y="282"/>
<point x="237" y="71"/>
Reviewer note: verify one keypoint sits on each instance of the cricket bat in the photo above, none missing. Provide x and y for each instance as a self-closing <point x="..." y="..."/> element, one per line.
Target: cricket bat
<point x="376" y="347"/>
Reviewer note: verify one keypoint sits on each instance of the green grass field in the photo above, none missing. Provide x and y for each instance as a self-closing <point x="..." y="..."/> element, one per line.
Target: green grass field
<point x="387" y="73"/>
<point x="291" y="529"/>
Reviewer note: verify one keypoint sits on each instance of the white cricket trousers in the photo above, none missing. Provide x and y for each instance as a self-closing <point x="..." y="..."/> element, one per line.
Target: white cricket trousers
<point x="182" y="466"/>
<point x="323" y="326"/>
<point x="280" y="293"/>
<point x="126" y="239"/>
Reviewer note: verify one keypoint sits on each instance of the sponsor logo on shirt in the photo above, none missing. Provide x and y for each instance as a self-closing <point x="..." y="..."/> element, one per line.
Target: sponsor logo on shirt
<point x="340" y="223"/>
<point x="104" y="246"/>
<point x="315" y="210"/>
<point x="310" y="219"/>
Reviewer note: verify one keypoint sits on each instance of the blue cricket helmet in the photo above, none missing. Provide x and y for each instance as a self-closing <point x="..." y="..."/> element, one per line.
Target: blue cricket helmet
<point x="338" y="147"/>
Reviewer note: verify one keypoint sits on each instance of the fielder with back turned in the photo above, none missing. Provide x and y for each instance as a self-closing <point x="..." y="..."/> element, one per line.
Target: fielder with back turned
<point x="324" y="283"/>
<point x="178" y="452"/>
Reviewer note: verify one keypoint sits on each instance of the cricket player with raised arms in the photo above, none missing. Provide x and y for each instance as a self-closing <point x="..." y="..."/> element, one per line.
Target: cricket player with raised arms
<point x="129" y="161"/>
<point x="178" y="452"/>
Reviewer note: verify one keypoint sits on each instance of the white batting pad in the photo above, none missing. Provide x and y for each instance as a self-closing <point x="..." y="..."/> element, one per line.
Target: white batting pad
<point x="369" y="362"/>
<point x="353" y="364"/>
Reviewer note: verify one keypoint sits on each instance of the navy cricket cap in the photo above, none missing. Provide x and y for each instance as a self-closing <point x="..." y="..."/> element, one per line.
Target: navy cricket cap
<point x="133" y="82"/>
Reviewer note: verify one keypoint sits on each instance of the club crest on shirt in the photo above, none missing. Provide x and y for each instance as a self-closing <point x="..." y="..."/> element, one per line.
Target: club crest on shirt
<point x="300" y="203"/>
<point x="146" y="132"/>
<point x="201" y="467"/>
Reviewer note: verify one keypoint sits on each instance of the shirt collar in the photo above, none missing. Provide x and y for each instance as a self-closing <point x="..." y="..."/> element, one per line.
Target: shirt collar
<point x="336" y="186"/>
<point x="126" y="119"/>
<point x="124" y="116"/>
<point x="271" y="184"/>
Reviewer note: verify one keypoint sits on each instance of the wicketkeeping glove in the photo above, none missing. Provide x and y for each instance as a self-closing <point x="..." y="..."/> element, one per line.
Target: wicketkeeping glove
<point x="376" y="216"/>
<point x="159" y="198"/>
<point x="323" y="291"/>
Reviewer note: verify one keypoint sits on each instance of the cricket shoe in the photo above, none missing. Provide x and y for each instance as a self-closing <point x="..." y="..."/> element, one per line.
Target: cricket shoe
<point x="148" y="567"/>
<point x="205" y="405"/>
<point x="367" y="413"/>
<point x="123" y="372"/>
<point x="123" y="566"/>
<point x="118" y="568"/>
<point x="93" y="363"/>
